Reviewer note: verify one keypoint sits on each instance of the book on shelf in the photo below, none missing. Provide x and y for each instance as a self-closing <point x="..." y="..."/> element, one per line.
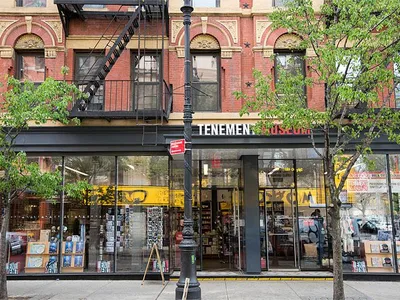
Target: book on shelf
<point x="376" y="262"/>
<point x="68" y="247"/>
<point x="79" y="247"/>
<point x="67" y="261"/>
<point x="52" y="247"/>
<point x="375" y="248"/>
<point x="78" y="261"/>
<point x="386" y="262"/>
<point x="384" y="248"/>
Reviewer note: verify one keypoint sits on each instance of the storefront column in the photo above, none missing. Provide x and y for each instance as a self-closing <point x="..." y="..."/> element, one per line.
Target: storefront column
<point x="251" y="213"/>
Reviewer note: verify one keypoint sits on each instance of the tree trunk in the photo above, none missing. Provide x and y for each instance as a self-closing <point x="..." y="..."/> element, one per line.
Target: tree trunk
<point x="338" y="286"/>
<point x="4" y="249"/>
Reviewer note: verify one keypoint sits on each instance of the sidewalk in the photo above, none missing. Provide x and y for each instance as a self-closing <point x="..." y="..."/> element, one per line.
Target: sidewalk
<point x="211" y="290"/>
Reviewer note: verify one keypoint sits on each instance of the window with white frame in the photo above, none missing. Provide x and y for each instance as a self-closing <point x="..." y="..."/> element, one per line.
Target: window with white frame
<point x="31" y="3"/>
<point x="147" y="80"/>
<point x="206" y="3"/>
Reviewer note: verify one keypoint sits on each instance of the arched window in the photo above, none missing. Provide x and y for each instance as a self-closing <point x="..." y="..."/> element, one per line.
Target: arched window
<point x="205" y="52"/>
<point x="289" y="58"/>
<point x="29" y="59"/>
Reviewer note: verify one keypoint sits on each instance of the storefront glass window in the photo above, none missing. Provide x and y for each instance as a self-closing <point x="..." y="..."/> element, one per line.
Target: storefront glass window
<point x="177" y="213"/>
<point x="313" y="237"/>
<point x="365" y="217"/>
<point x="33" y="235"/>
<point x="395" y="185"/>
<point x="88" y="233"/>
<point x="142" y="213"/>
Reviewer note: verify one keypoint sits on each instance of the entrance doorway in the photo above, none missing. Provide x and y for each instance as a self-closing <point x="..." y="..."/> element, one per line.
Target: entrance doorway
<point x="220" y="230"/>
<point x="281" y="230"/>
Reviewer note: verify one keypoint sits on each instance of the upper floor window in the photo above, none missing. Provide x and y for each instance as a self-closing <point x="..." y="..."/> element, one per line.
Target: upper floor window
<point x="397" y="84"/>
<point x="86" y="65"/>
<point x="31" y="3"/>
<point x="205" y="82"/>
<point x="147" y="81"/>
<point x="291" y="63"/>
<point x="206" y="3"/>
<point x="280" y="3"/>
<point x="93" y="6"/>
<point x="29" y="59"/>
<point x="30" y="66"/>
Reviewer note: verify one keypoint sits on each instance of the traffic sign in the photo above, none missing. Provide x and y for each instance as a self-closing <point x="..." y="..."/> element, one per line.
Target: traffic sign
<point x="177" y="147"/>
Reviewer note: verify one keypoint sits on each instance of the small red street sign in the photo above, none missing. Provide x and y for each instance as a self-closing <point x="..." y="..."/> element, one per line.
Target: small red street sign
<point x="177" y="147"/>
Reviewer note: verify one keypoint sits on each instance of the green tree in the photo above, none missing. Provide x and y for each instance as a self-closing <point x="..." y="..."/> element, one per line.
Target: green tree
<point x="356" y="43"/>
<point x="22" y="105"/>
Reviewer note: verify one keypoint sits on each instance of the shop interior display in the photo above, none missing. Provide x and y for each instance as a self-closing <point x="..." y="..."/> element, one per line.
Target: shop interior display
<point x="73" y="256"/>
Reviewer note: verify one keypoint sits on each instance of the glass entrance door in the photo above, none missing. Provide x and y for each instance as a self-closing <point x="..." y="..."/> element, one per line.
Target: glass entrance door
<point x="220" y="230"/>
<point x="281" y="230"/>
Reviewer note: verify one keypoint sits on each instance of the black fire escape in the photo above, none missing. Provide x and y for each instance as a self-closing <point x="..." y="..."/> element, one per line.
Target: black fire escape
<point x="146" y="96"/>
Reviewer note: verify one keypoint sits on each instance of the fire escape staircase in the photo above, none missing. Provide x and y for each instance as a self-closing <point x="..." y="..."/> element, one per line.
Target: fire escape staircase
<point x="144" y="12"/>
<point x="110" y="59"/>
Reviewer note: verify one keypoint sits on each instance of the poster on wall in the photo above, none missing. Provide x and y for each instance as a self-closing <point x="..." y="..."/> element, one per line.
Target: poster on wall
<point x="154" y="227"/>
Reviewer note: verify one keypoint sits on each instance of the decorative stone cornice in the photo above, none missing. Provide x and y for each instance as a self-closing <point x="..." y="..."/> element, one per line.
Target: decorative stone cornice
<point x="57" y="28"/>
<point x="261" y="26"/>
<point x="7" y="52"/>
<point x="175" y="28"/>
<point x="28" y="22"/>
<point x="310" y="52"/>
<point x="232" y="27"/>
<point x="204" y="21"/>
<point x="288" y="41"/>
<point x="180" y="52"/>
<point x="50" y="52"/>
<point x="29" y="41"/>
<point x="204" y="41"/>
<point x="4" y="24"/>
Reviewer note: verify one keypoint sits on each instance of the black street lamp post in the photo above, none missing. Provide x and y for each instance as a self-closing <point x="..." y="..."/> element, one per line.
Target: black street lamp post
<point x="188" y="245"/>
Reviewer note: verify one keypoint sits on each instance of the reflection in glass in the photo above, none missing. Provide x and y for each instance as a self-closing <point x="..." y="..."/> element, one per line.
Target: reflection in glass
<point x="205" y="82"/>
<point x="34" y="229"/>
<point x="365" y="217"/>
<point x="89" y="222"/>
<point x="143" y="212"/>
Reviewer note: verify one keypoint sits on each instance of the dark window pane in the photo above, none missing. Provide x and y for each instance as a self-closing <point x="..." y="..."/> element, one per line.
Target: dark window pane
<point x="205" y="96"/>
<point x="146" y="96"/>
<point x="87" y="66"/>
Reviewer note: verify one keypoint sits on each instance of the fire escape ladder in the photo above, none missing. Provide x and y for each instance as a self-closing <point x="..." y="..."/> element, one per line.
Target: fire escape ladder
<point x="110" y="58"/>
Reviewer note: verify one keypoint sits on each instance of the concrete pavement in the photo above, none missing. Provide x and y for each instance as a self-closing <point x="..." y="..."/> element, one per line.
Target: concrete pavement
<point x="211" y="290"/>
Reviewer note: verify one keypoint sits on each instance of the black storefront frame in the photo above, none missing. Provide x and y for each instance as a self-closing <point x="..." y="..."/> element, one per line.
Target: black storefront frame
<point x="87" y="275"/>
<point x="62" y="141"/>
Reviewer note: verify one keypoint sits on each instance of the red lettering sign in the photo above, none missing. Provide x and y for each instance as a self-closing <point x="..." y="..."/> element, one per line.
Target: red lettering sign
<point x="177" y="147"/>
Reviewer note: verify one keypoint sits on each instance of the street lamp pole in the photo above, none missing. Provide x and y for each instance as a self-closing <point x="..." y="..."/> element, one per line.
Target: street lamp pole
<point x="188" y="245"/>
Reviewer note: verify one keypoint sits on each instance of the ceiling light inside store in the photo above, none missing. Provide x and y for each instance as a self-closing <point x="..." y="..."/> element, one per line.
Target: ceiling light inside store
<point x="205" y="169"/>
<point x="76" y="171"/>
<point x="273" y="171"/>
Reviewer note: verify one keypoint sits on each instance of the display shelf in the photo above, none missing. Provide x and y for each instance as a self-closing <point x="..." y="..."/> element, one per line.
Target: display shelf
<point x="74" y="261"/>
<point x="38" y="256"/>
<point x="378" y="256"/>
